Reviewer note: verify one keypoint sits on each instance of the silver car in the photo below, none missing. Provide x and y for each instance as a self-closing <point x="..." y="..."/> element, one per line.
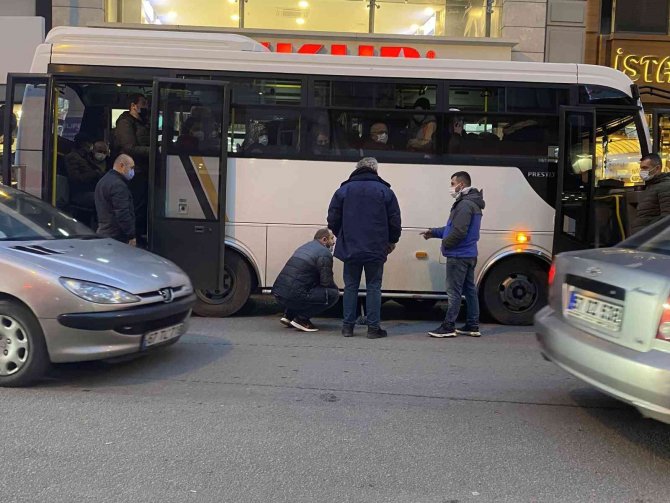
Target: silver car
<point x="67" y="295"/>
<point x="608" y="319"/>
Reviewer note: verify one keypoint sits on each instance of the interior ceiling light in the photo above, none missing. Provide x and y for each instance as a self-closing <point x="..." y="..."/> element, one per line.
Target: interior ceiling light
<point x="235" y="17"/>
<point x="303" y="4"/>
<point x="300" y="21"/>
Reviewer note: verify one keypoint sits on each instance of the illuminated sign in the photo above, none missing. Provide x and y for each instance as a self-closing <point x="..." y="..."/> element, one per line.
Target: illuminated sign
<point x="385" y="51"/>
<point x="647" y="68"/>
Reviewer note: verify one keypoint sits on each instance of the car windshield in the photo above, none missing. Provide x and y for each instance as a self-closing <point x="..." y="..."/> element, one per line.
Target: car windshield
<point x="26" y="218"/>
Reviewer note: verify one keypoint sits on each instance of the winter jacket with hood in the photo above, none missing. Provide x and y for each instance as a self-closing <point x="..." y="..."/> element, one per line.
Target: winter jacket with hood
<point x="461" y="234"/>
<point x="365" y="216"/>
<point x="654" y="202"/>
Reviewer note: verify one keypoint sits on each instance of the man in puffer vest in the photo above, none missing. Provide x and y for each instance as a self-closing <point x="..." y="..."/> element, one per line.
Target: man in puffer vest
<point x="459" y="246"/>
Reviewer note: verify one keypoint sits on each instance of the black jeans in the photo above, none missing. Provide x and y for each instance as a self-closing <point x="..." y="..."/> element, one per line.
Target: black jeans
<point x="313" y="303"/>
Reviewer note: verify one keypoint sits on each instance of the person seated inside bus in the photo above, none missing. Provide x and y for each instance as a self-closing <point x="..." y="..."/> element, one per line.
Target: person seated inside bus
<point x="455" y="135"/>
<point x="378" y="139"/>
<point x="422" y="128"/>
<point x="256" y="140"/>
<point x="85" y="165"/>
<point x="321" y="143"/>
<point x="191" y="137"/>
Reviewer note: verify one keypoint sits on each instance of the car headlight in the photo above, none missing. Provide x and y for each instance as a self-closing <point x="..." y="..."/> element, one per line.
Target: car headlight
<point x="95" y="292"/>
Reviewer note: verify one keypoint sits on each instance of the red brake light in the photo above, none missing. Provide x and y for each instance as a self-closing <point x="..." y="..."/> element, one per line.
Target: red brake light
<point x="552" y="273"/>
<point x="664" y="326"/>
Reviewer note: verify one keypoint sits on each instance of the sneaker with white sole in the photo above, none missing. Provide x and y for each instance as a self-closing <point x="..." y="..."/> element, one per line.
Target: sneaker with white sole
<point x="469" y="330"/>
<point x="303" y="324"/>
<point x="286" y="319"/>
<point x="443" y="331"/>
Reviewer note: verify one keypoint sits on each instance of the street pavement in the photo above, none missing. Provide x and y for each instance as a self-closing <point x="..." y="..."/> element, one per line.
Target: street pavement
<point x="245" y="410"/>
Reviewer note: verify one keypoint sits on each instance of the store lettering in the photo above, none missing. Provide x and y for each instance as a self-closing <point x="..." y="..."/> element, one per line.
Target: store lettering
<point x="647" y="68"/>
<point x="387" y="51"/>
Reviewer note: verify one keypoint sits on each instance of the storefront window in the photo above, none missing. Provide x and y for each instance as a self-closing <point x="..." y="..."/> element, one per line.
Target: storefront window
<point x="451" y="18"/>
<point x="307" y="15"/>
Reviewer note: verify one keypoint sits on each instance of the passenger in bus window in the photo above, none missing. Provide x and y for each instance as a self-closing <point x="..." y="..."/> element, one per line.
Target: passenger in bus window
<point x="305" y="286"/>
<point x="132" y="137"/>
<point x="85" y="165"/>
<point x="257" y="139"/>
<point x="365" y="217"/>
<point x="378" y="138"/>
<point x="455" y="135"/>
<point x="321" y="143"/>
<point x="422" y="127"/>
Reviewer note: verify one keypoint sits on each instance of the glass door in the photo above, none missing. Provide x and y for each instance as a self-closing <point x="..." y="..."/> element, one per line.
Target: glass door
<point x="576" y="172"/>
<point x="187" y="177"/>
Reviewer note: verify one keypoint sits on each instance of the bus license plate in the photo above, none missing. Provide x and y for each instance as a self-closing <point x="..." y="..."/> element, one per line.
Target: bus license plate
<point x="595" y="311"/>
<point x="162" y="335"/>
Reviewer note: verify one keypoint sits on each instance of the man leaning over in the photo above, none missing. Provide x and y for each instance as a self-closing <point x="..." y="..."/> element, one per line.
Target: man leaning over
<point x="459" y="245"/>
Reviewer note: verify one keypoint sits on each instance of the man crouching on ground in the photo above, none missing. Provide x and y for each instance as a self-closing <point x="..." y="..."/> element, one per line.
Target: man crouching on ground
<point x="305" y="286"/>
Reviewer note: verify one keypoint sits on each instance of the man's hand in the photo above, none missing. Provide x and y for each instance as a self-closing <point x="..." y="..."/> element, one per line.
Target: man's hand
<point x="132" y="242"/>
<point x="427" y="234"/>
<point x="389" y="248"/>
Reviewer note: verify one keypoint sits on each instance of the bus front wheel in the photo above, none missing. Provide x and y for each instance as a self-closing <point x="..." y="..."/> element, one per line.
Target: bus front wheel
<point x="237" y="282"/>
<point x="514" y="290"/>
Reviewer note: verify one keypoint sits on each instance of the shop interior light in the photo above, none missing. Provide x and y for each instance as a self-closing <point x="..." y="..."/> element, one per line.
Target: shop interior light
<point x="235" y="17"/>
<point x="303" y="4"/>
<point x="171" y="16"/>
<point x="429" y="11"/>
<point x="300" y="21"/>
<point x="232" y="1"/>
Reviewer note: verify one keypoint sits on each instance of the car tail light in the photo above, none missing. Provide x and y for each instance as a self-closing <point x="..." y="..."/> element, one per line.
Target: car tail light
<point x="664" y="326"/>
<point x="552" y="273"/>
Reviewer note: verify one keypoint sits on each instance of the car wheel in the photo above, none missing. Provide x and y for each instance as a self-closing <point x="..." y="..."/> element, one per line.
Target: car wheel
<point x="23" y="352"/>
<point x="514" y="290"/>
<point x="236" y="290"/>
<point x="417" y="305"/>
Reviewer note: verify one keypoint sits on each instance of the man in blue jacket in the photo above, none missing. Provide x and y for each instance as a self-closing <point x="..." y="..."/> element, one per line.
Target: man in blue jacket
<point x="365" y="216"/>
<point x="459" y="245"/>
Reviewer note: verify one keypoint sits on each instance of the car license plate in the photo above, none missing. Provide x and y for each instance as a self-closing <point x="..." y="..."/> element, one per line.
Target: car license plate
<point x="595" y="311"/>
<point x="162" y="335"/>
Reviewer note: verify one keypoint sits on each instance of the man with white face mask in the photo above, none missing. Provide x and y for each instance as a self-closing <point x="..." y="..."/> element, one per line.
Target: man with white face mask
<point x="378" y="139"/>
<point x="459" y="245"/>
<point x="654" y="203"/>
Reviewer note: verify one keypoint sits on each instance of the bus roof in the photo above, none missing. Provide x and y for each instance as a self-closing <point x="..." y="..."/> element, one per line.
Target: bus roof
<point x="195" y="50"/>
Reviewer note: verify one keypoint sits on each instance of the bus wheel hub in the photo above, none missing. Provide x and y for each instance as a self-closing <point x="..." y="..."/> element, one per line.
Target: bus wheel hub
<point x="518" y="292"/>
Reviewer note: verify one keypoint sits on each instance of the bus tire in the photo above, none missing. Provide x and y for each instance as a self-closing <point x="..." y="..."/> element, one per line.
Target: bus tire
<point x="23" y="351"/>
<point x="238" y="281"/>
<point x="514" y="290"/>
<point x="417" y="305"/>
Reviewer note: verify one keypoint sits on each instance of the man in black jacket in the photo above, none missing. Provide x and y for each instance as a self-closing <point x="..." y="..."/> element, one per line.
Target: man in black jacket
<point x="365" y="216"/>
<point x="654" y="202"/>
<point x="305" y="286"/>
<point x="114" y="202"/>
<point x="132" y="137"/>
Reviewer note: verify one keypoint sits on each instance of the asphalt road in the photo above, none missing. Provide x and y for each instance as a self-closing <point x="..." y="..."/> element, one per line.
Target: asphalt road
<point x="244" y="410"/>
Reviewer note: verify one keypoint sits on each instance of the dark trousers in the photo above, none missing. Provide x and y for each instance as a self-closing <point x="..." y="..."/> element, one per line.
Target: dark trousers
<point x="313" y="303"/>
<point x="461" y="282"/>
<point x="374" y="272"/>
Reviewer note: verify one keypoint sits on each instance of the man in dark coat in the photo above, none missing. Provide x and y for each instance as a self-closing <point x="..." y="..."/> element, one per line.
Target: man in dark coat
<point x="85" y="165"/>
<point x="459" y="244"/>
<point x="365" y="216"/>
<point x="132" y="137"/>
<point x="305" y="286"/>
<point x="114" y="202"/>
<point x="654" y="202"/>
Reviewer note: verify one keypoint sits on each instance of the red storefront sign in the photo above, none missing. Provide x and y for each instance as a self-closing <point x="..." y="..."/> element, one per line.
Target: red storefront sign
<point x="387" y="51"/>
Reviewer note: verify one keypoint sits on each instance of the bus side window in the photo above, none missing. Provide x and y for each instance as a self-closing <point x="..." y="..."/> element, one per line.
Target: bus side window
<point x="264" y="132"/>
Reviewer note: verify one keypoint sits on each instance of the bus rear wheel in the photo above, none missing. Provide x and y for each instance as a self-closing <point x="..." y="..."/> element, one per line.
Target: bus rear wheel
<point x="237" y="280"/>
<point x="514" y="290"/>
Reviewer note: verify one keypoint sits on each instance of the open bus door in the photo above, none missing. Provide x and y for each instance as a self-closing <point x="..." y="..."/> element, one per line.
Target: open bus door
<point x="28" y="160"/>
<point x="661" y="135"/>
<point x="187" y="177"/>
<point x="573" y="228"/>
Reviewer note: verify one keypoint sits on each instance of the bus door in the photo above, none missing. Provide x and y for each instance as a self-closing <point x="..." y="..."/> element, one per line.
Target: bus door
<point x="28" y="162"/>
<point x="187" y="177"/>
<point x="573" y="229"/>
<point x="661" y="136"/>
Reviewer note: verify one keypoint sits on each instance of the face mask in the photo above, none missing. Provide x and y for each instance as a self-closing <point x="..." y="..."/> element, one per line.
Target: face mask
<point x="644" y="174"/>
<point x="263" y="140"/>
<point x="131" y="174"/>
<point x="382" y="138"/>
<point x="453" y="192"/>
<point x="99" y="156"/>
<point x="199" y="135"/>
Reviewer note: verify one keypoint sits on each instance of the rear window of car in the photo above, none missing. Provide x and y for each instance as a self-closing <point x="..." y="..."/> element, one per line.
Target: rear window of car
<point x="660" y="243"/>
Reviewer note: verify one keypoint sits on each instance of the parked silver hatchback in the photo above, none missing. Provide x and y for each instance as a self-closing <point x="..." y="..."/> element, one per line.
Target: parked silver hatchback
<point x="608" y="319"/>
<point x="68" y="295"/>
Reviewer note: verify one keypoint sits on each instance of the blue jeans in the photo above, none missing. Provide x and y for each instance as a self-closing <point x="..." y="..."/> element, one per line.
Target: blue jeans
<point x="461" y="282"/>
<point x="373" y="284"/>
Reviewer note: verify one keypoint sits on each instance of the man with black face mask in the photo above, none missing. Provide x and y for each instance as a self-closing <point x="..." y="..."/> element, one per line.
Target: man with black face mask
<point x="132" y="137"/>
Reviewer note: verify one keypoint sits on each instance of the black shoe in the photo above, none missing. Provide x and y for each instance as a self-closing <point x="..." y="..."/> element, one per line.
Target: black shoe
<point x="303" y="324"/>
<point x="347" y="330"/>
<point x="376" y="333"/>
<point x="470" y="330"/>
<point x="443" y="330"/>
<point x="286" y="320"/>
